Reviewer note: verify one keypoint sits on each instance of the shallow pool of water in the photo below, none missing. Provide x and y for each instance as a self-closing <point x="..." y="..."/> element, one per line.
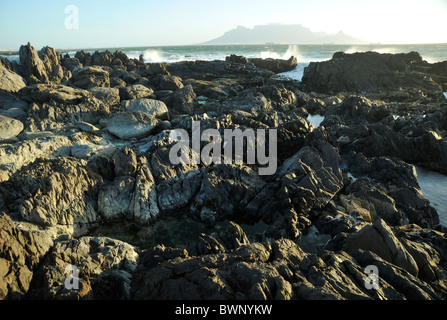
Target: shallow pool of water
<point x="316" y="120"/>
<point x="434" y="187"/>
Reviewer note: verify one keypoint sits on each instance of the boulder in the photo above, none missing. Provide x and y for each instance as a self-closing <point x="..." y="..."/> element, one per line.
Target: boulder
<point x="166" y="82"/>
<point x="10" y="81"/>
<point x="9" y="127"/>
<point x="90" y="77"/>
<point x="275" y="65"/>
<point x="128" y="125"/>
<point x="183" y="101"/>
<point x="152" y="107"/>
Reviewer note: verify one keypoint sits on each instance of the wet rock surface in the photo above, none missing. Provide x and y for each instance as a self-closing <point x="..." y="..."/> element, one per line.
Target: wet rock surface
<point x="86" y="179"/>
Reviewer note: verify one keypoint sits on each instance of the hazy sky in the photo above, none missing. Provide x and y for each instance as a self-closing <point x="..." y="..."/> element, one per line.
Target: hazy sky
<point x="110" y="23"/>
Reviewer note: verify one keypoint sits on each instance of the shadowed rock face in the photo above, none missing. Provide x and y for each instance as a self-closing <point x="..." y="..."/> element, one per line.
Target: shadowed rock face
<point x="86" y="180"/>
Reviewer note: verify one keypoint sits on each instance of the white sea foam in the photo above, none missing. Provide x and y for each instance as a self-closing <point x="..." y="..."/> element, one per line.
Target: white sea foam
<point x="153" y="56"/>
<point x="378" y="50"/>
<point x="292" y="51"/>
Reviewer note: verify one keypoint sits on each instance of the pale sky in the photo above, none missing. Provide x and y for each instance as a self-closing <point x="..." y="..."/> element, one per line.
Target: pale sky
<point x="111" y="23"/>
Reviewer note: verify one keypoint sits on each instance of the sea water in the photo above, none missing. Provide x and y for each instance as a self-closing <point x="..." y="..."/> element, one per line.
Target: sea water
<point x="316" y="120"/>
<point x="434" y="187"/>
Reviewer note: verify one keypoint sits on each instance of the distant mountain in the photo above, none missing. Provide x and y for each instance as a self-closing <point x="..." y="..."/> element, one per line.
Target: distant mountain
<point x="281" y="34"/>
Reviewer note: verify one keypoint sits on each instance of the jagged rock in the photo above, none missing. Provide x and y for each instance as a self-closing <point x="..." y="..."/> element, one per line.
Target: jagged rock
<point x="33" y="66"/>
<point x="278" y="270"/>
<point x="401" y="201"/>
<point x="103" y="58"/>
<point x="224" y="192"/>
<point x="308" y="181"/>
<point x="357" y="109"/>
<point x="174" y="195"/>
<point x="84" y="57"/>
<point x="52" y="62"/>
<point x="55" y="192"/>
<point x="380" y="239"/>
<point x="370" y="72"/>
<point x="246" y="74"/>
<point x="153" y="69"/>
<point x="21" y="252"/>
<point x="408" y="286"/>
<point x="104" y="267"/>
<point x="132" y="194"/>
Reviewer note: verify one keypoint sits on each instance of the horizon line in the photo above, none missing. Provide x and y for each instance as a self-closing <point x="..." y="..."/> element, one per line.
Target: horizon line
<point x="16" y="51"/>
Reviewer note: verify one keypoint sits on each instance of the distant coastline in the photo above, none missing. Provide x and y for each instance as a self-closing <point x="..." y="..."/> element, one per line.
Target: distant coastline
<point x="9" y="52"/>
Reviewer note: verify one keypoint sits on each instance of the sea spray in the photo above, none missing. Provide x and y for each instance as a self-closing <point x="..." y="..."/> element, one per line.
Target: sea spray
<point x="292" y="51"/>
<point x="153" y="56"/>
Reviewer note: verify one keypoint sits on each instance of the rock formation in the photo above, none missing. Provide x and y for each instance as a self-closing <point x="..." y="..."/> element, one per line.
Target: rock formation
<point x="86" y="180"/>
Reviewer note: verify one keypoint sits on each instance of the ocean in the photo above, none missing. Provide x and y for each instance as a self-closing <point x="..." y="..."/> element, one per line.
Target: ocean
<point x="433" y="185"/>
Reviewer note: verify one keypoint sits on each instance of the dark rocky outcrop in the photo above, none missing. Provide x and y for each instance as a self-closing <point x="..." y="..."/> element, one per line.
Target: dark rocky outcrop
<point x="275" y="65"/>
<point x="369" y="72"/>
